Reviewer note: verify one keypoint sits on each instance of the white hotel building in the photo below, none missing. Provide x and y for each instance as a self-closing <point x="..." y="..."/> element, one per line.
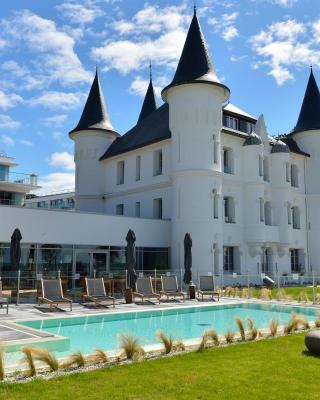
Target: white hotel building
<point x="195" y="164"/>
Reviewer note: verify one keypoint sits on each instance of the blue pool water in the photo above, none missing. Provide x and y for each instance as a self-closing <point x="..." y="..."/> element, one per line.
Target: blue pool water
<point x="90" y="332"/>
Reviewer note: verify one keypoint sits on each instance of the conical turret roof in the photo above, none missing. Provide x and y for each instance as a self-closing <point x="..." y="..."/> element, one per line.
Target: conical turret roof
<point x="195" y="64"/>
<point x="309" y="117"/>
<point x="95" y="115"/>
<point x="149" y="104"/>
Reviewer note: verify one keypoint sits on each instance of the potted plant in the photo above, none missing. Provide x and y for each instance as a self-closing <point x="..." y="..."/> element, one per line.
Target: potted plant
<point x="128" y="295"/>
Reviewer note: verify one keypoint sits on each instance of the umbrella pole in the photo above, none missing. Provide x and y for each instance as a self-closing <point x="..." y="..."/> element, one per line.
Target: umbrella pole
<point x="18" y="288"/>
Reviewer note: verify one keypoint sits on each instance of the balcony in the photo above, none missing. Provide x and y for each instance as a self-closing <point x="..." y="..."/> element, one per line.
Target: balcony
<point x="20" y="178"/>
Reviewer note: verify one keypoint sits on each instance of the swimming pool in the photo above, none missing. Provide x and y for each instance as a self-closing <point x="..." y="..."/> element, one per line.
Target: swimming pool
<point x="86" y="333"/>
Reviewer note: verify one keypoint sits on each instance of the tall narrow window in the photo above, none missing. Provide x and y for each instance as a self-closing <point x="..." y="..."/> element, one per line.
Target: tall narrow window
<point x="289" y="213"/>
<point x="228" y="259"/>
<point x="260" y="165"/>
<point x="157" y="162"/>
<point x="261" y="201"/>
<point x="137" y="211"/>
<point x="138" y="168"/>
<point x="215" y="204"/>
<point x="229" y="210"/>
<point x="295" y="218"/>
<point x="215" y="149"/>
<point x="157" y="208"/>
<point x="119" y="209"/>
<point x="288" y="172"/>
<point x="120" y="172"/>
<point x="294" y="260"/>
<point x="294" y="175"/>
<point x="228" y="161"/>
<point x="266" y="175"/>
<point x="267" y="213"/>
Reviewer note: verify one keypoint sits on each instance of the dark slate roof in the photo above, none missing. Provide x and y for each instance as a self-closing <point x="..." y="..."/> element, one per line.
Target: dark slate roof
<point x="252" y="139"/>
<point x="95" y="114"/>
<point x="309" y="117"/>
<point x="149" y="104"/>
<point x="152" y="129"/>
<point x="195" y="64"/>
<point x="279" y="147"/>
<point x="293" y="146"/>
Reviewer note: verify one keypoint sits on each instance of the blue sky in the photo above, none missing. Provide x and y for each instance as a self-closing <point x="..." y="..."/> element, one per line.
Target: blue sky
<point x="261" y="49"/>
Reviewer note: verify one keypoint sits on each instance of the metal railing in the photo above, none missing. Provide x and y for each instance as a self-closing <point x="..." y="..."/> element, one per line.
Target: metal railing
<point x="17" y="177"/>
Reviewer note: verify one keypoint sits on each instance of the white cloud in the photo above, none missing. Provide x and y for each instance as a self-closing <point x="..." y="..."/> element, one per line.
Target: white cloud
<point x="9" y="100"/>
<point x="3" y="43"/>
<point x="6" y="122"/>
<point x="57" y="100"/>
<point x="57" y="181"/>
<point x="284" y="3"/>
<point x="55" y="120"/>
<point x="25" y="142"/>
<point x="284" y="46"/>
<point x="63" y="160"/>
<point x="25" y="79"/>
<point x="78" y="13"/>
<point x="139" y="85"/>
<point x="154" y="33"/>
<point x="225" y="25"/>
<point x="237" y="59"/>
<point x="52" y="49"/>
<point x="6" y="140"/>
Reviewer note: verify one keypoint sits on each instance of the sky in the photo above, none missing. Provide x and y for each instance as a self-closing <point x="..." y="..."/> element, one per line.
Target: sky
<point x="262" y="50"/>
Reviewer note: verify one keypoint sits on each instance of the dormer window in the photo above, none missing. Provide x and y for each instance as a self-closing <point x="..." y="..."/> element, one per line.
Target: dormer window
<point x="232" y="122"/>
<point x="250" y="127"/>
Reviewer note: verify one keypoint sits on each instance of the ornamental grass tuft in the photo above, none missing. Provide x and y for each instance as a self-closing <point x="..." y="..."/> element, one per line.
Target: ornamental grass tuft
<point x="28" y="358"/>
<point x="253" y="332"/>
<point x="131" y="346"/>
<point x="273" y="327"/>
<point x="229" y="336"/>
<point x="241" y="328"/>
<point x="47" y="358"/>
<point x="167" y="341"/>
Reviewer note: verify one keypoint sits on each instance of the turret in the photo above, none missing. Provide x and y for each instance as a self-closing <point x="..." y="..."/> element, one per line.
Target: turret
<point x="195" y="97"/>
<point x="149" y="103"/>
<point x="92" y="136"/>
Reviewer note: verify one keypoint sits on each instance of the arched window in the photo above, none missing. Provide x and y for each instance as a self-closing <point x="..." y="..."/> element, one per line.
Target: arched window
<point x="295" y="217"/>
<point x="294" y="175"/>
<point x="267" y="213"/>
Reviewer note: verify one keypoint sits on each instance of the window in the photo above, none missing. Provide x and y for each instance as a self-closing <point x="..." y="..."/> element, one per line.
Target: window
<point x="215" y="149"/>
<point x="4" y="173"/>
<point x="294" y="175"/>
<point x="260" y="165"/>
<point x="228" y="161"/>
<point x="229" y="210"/>
<point x="266" y="176"/>
<point x="288" y="172"/>
<point x="261" y="201"/>
<point x="120" y="173"/>
<point x="157" y="162"/>
<point x="119" y="209"/>
<point x="157" y="208"/>
<point x="295" y="218"/>
<point x="215" y="204"/>
<point x="232" y="122"/>
<point x="250" y="127"/>
<point x="294" y="260"/>
<point x="137" y="211"/>
<point x="289" y="213"/>
<point x="228" y="258"/>
<point x="266" y="260"/>
<point x="267" y="213"/>
<point x="138" y="168"/>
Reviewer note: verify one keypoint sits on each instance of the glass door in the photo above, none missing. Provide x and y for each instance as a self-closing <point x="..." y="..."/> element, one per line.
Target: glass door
<point x="99" y="264"/>
<point x="82" y="268"/>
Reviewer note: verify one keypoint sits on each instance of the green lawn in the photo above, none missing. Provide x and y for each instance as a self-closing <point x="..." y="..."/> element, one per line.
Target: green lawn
<point x="293" y="292"/>
<point x="269" y="369"/>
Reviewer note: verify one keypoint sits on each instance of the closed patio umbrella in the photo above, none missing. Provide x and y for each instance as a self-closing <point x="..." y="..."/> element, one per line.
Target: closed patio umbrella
<point x="187" y="259"/>
<point x="131" y="259"/>
<point x="15" y="249"/>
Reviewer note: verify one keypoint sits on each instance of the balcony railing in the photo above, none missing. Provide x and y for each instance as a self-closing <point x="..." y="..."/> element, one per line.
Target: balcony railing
<point x="16" y="177"/>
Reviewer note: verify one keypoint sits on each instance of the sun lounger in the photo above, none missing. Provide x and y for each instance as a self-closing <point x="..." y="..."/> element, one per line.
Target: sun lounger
<point x="3" y="300"/>
<point x="96" y="292"/>
<point x="144" y="289"/>
<point x="52" y="293"/>
<point x="206" y="287"/>
<point x="170" y="287"/>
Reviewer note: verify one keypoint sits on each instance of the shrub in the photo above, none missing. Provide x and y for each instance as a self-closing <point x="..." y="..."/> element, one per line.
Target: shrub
<point x="273" y="327"/>
<point x="229" y="336"/>
<point x="28" y="356"/>
<point x="167" y="341"/>
<point x="265" y="294"/>
<point x="131" y="346"/>
<point x="47" y="358"/>
<point x="241" y="328"/>
<point x="253" y="332"/>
